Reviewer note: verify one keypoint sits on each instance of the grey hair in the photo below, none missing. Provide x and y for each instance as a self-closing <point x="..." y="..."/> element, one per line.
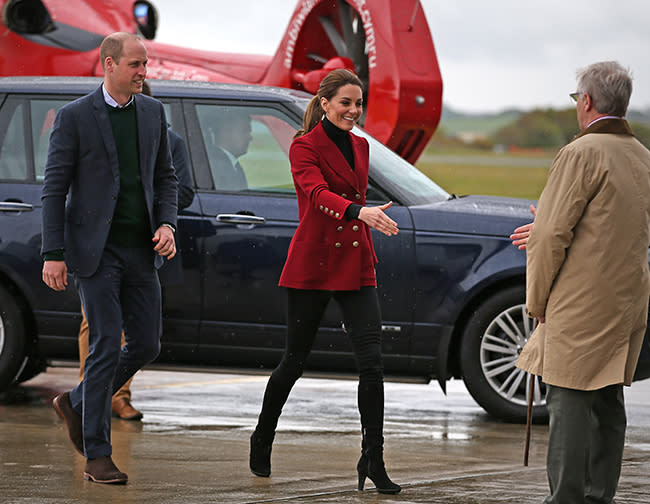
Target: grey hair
<point x="609" y="84"/>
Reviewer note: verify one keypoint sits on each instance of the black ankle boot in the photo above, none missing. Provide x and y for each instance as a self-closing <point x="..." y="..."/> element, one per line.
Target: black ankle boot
<point x="371" y="465"/>
<point x="260" y="456"/>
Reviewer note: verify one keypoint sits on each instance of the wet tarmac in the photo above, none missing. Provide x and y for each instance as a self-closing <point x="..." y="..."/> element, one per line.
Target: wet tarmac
<point x="192" y="446"/>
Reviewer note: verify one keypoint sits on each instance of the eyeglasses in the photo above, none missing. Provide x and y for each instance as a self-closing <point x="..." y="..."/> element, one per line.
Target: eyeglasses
<point x="575" y="96"/>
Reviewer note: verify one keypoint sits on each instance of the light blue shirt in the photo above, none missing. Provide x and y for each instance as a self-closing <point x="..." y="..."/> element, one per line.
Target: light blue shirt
<point x="110" y="101"/>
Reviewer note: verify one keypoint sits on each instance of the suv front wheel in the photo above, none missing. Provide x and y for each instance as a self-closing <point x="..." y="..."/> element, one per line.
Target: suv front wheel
<point x="491" y="343"/>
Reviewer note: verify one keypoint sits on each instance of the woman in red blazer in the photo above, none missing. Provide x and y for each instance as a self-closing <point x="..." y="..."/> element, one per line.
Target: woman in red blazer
<point x="331" y="256"/>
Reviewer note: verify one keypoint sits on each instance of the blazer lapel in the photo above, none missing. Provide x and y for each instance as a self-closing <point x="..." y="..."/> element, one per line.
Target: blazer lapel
<point x="106" y="130"/>
<point x="144" y="129"/>
<point x="360" y="162"/>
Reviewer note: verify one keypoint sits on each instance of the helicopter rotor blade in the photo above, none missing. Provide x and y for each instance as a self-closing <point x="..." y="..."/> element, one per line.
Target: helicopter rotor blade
<point x="334" y="36"/>
<point x="349" y="44"/>
<point x="316" y="57"/>
<point x="355" y="40"/>
<point x="349" y="21"/>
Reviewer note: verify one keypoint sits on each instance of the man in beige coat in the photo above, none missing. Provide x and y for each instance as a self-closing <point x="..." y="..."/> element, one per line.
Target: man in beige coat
<point x="588" y="284"/>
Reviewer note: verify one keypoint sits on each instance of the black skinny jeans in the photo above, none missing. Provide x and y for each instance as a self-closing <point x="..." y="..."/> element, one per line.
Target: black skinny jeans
<point x="362" y="318"/>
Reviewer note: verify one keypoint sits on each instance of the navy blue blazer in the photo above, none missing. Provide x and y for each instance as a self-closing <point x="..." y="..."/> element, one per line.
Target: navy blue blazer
<point x="82" y="165"/>
<point x="181" y="161"/>
<point x="171" y="272"/>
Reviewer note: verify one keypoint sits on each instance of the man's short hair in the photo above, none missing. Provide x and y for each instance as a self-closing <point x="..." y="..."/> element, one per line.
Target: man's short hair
<point x="113" y="46"/>
<point x="609" y="84"/>
<point x="227" y="115"/>
<point x="226" y="119"/>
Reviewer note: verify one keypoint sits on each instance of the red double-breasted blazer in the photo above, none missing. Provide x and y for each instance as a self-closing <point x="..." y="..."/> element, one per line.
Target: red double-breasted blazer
<point x="329" y="252"/>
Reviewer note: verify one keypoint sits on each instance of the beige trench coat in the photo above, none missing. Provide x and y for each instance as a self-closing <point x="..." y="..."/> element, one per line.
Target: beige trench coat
<point x="587" y="261"/>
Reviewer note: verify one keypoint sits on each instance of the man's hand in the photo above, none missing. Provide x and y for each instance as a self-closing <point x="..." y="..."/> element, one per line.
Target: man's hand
<point x="520" y="235"/>
<point x="377" y="219"/>
<point x="55" y="275"/>
<point x="164" y="240"/>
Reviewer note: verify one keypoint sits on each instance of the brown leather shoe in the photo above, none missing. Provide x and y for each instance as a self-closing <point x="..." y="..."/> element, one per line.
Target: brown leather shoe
<point x="103" y="470"/>
<point x="72" y="419"/>
<point x="122" y="409"/>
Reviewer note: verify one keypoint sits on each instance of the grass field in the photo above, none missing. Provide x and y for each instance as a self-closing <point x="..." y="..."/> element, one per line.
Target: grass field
<point x="483" y="124"/>
<point x="520" y="175"/>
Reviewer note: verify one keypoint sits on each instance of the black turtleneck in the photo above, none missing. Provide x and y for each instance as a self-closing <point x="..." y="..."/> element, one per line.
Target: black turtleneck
<point x="341" y="139"/>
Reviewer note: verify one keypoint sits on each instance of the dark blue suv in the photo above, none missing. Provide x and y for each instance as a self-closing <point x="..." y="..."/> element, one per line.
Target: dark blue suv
<point x="451" y="285"/>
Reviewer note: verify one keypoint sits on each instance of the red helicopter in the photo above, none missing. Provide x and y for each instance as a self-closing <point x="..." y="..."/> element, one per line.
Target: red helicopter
<point x="387" y="43"/>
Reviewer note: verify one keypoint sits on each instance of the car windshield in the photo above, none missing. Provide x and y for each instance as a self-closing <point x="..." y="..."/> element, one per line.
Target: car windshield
<point x="400" y="178"/>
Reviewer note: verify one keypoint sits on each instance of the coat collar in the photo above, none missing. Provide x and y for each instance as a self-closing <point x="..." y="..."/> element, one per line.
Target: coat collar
<point x="335" y="158"/>
<point x="613" y="126"/>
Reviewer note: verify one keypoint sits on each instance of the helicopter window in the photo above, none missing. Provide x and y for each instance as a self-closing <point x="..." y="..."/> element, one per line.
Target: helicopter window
<point x="13" y="160"/>
<point x="247" y="148"/>
<point x="146" y="18"/>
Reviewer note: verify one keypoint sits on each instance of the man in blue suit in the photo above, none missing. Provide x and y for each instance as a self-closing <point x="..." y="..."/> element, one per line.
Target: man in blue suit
<point x="109" y="156"/>
<point x="171" y="273"/>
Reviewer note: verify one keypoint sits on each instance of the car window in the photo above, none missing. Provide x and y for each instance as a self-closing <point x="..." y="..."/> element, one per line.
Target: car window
<point x="13" y="155"/>
<point x="168" y="111"/>
<point x="174" y="115"/>
<point x="43" y="113"/>
<point x="247" y="147"/>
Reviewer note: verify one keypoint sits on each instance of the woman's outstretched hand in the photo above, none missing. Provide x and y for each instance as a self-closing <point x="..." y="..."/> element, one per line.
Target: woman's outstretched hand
<point x="377" y="219"/>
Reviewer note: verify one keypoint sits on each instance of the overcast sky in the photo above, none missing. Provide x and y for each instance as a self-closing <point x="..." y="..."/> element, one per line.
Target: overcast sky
<point x="492" y="55"/>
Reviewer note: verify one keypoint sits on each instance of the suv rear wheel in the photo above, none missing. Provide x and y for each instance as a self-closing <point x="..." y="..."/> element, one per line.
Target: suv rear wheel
<point x="12" y="338"/>
<point x="491" y="343"/>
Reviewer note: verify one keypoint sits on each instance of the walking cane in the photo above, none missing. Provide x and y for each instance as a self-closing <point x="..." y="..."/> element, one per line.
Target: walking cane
<point x="529" y="412"/>
<point x="529" y="416"/>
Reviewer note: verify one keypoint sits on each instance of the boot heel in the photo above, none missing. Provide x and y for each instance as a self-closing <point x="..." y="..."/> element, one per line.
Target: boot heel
<point x="362" y="470"/>
<point x="377" y="474"/>
<point x="362" y="481"/>
<point x="260" y="457"/>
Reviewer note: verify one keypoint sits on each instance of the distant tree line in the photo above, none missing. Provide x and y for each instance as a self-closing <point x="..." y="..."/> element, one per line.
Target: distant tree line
<point x="550" y="128"/>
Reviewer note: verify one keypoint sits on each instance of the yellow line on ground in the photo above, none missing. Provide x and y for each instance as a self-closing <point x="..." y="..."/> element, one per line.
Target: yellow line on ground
<point x="199" y="383"/>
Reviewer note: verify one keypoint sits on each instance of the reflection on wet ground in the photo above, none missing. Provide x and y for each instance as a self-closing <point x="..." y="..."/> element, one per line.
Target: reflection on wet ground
<point x="192" y="446"/>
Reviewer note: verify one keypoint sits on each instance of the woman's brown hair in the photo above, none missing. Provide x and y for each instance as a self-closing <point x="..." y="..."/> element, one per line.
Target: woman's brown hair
<point x="328" y="88"/>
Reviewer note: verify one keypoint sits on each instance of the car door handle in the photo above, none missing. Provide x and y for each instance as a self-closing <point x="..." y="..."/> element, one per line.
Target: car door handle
<point x="12" y="206"/>
<point x="384" y="328"/>
<point x="240" y="219"/>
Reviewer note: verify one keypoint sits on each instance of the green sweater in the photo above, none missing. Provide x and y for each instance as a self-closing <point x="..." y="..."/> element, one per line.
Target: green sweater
<point x="130" y="226"/>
